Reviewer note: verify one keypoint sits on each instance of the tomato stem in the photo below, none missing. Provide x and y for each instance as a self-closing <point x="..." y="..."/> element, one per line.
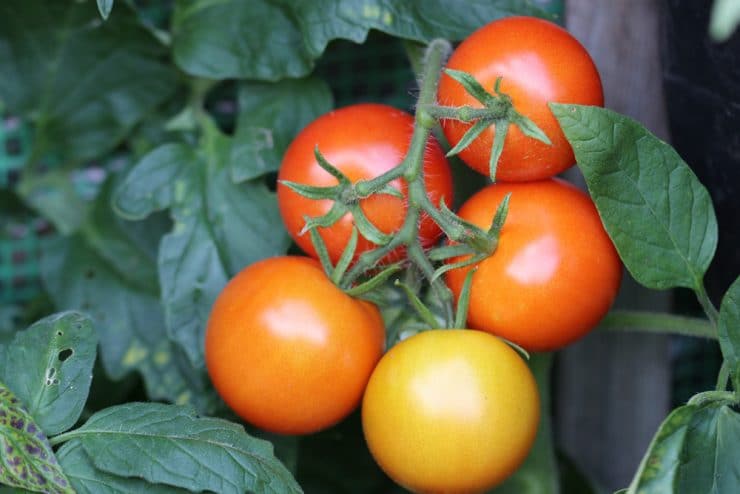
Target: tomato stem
<point x="654" y="322"/>
<point x="723" y="376"/>
<point x="706" y="303"/>
<point x="347" y="196"/>
<point x="411" y="170"/>
<point x="715" y="397"/>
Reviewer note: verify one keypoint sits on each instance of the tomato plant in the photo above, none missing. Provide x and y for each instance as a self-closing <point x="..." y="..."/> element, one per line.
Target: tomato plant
<point x="555" y="272"/>
<point x="362" y="141"/>
<point x="450" y="411"/>
<point x="315" y="346"/>
<point x="144" y="140"/>
<point x="539" y="62"/>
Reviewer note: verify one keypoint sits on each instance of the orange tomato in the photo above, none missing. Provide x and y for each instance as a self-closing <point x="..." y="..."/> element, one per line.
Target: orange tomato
<point x="540" y="62"/>
<point x="363" y="141"/>
<point x="287" y="350"/>
<point x="450" y="411"/>
<point x="555" y="272"/>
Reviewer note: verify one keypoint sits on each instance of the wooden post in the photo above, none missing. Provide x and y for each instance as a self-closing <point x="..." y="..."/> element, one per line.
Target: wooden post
<point x="613" y="390"/>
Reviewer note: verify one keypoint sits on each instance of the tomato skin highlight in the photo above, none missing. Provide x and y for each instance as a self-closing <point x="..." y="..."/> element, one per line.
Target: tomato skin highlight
<point x="539" y="62"/>
<point x="450" y="411"/>
<point x="287" y="350"/>
<point x="363" y="141"/>
<point x="555" y="272"/>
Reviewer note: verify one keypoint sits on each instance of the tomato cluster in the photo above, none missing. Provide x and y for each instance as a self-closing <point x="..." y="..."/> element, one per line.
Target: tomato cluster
<point x="444" y="410"/>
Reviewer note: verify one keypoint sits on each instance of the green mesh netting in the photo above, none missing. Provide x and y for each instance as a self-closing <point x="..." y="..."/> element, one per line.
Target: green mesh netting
<point x="15" y="144"/>
<point x="20" y="242"/>
<point x="376" y="71"/>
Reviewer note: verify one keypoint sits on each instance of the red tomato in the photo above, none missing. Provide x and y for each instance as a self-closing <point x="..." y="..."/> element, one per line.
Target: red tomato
<point x="450" y="411"/>
<point x="555" y="272"/>
<point x="363" y="141"/>
<point x="540" y="63"/>
<point x="287" y="350"/>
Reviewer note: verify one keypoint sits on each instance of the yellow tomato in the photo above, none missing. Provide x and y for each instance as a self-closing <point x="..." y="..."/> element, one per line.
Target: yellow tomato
<point x="450" y="411"/>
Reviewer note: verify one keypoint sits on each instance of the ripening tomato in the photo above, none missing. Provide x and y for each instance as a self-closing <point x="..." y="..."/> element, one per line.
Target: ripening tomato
<point x="555" y="272"/>
<point x="363" y="141"/>
<point x="287" y="350"/>
<point x="450" y="411"/>
<point x="539" y="62"/>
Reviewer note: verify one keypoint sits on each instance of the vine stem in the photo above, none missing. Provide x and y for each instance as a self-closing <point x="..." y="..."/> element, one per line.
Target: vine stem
<point x="652" y="322"/>
<point x="718" y="397"/>
<point x="411" y="170"/>
<point x="723" y="376"/>
<point x="465" y="113"/>
<point x="706" y="303"/>
<point x="64" y="437"/>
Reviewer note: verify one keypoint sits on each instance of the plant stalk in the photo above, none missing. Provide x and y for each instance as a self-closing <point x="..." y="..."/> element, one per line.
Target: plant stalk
<point x="653" y="322"/>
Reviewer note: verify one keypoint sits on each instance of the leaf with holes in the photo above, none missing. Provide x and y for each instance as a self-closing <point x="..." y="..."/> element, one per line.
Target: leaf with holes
<point x="49" y="367"/>
<point x="86" y="479"/>
<point x="170" y="444"/>
<point x="26" y="458"/>
<point x="656" y="211"/>
<point x="219" y="227"/>
<point x="83" y="82"/>
<point x="109" y="270"/>
<point x="270" y="115"/>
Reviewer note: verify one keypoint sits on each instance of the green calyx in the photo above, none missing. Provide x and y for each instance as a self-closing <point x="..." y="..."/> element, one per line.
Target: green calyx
<point x="498" y="110"/>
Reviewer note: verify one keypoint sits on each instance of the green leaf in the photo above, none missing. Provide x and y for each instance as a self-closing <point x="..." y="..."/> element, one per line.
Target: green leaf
<point x="236" y="39"/>
<point x="729" y="330"/>
<point x="54" y="196"/>
<point x="694" y="450"/>
<point x="86" y="479"/>
<point x="104" y="7"/>
<point x="152" y="186"/>
<point x="324" y="20"/>
<point x="109" y="270"/>
<point x="724" y="19"/>
<point x="83" y="83"/>
<point x="219" y="228"/>
<point x="656" y="211"/>
<point x="26" y="458"/>
<point x="277" y="39"/>
<point x="49" y="367"/>
<point x="9" y="322"/>
<point x="270" y="115"/>
<point x="337" y="461"/>
<point x="170" y="444"/>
